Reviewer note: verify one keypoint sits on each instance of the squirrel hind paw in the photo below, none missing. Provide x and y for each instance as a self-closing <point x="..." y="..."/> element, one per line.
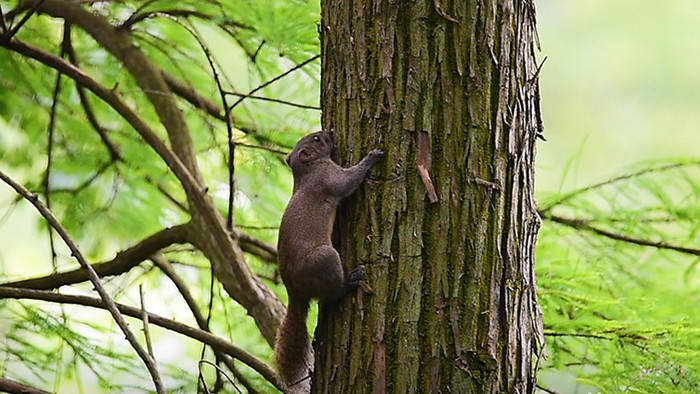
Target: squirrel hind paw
<point x="355" y="276"/>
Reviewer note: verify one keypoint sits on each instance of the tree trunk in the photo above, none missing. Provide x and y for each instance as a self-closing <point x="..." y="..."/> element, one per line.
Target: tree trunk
<point x="453" y="306"/>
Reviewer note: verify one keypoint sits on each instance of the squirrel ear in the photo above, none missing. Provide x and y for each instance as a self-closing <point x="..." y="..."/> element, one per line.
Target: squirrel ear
<point x="303" y="155"/>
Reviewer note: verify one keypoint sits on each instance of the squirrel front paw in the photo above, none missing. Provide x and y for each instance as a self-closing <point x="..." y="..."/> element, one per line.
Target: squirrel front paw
<point x="375" y="155"/>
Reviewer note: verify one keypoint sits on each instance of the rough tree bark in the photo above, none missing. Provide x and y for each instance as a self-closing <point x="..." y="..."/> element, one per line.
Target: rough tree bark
<point x="453" y="306"/>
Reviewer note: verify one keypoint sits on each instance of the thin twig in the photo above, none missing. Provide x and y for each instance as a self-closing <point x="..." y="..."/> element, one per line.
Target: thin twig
<point x="10" y="386"/>
<point x="219" y="371"/>
<point x="229" y="127"/>
<point x="144" y="319"/>
<point x="227" y="117"/>
<point x="21" y="23"/>
<point x="167" y="268"/>
<point x="3" y="25"/>
<point x="585" y="225"/>
<point x="273" y="150"/>
<point x="291" y="70"/>
<point x="167" y="195"/>
<point x="137" y="17"/>
<point x="97" y="283"/>
<point x="164" y="265"/>
<point x="546" y="390"/>
<point x="89" y="113"/>
<point x="87" y="182"/>
<point x="215" y="342"/>
<point x="274" y="100"/>
<point x="574" y="193"/>
<point x="49" y="143"/>
<point x="577" y="335"/>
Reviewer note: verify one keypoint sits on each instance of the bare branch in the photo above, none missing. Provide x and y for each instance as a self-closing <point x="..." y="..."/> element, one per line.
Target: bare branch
<point x="15" y="29"/>
<point x="215" y="342"/>
<point x="284" y="74"/>
<point x="257" y="247"/>
<point x="274" y="100"/>
<point x="12" y="387"/>
<point x="147" y="335"/>
<point x="115" y="101"/>
<point x="106" y="298"/>
<point x="89" y="113"/>
<point x="190" y="94"/>
<point x="582" y="224"/>
<point x="147" y="76"/>
<point x="212" y="238"/>
<point x="122" y="262"/>
<point x="167" y="268"/>
<point x="665" y="167"/>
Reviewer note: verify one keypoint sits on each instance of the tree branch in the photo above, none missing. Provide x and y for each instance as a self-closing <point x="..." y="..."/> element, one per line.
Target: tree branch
<point x="229" y="126"/>
<point x="147" y="76"/>
<point x="87" y="107"/>
<point x="257" y="247"/>
<point x="278" y="101"/>
<point x="202" y="322"/>
<point x="581" y="224"/>
<point x="115" y="101"/>
<point x="164" y="265"/>
<point x="8" y="35"/>
<point x="3" y="24"/>
<point x="191" y="95"/>
<point x="122" y="262"/>
<point x="12" y="387"/>
<point x="211" y="236"/>
<point x="106" y="298"/>
<point x="215" y="342"/>
<point x="291" y="70"/>
<point x="568" y="196"/>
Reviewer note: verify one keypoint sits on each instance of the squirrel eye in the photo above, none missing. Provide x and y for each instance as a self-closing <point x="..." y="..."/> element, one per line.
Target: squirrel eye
<point x="316" y="138"/>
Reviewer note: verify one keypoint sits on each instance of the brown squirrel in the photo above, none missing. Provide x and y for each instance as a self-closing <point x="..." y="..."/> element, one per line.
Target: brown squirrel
<point x="309" y="265"/>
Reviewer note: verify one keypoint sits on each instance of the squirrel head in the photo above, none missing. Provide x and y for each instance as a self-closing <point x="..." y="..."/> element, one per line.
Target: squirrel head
<point x="313" y="147"/>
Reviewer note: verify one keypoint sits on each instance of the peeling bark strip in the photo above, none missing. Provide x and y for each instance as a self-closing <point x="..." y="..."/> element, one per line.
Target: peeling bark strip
<point x="450" y="86"/>
<point x="424" y="161"/>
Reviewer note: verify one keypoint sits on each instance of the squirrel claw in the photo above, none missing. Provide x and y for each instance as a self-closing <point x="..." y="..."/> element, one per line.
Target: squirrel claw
<point x="355" y="276"/>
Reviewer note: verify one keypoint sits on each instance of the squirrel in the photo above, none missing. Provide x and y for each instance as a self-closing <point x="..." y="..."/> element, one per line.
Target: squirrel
<point x="309" y="265"/>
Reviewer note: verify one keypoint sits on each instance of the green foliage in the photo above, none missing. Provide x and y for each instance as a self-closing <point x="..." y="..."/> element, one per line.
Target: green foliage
<point x="111" y="190"/>
<point x="618" y="280"/>
<point x="41" y="337"/>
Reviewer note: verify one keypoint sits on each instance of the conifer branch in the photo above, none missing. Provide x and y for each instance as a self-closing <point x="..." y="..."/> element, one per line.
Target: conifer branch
<point x="582" y="224"/>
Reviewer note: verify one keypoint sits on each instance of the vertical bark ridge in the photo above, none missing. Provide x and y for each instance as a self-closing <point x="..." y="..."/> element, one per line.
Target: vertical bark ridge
<point x="453" y="306"/>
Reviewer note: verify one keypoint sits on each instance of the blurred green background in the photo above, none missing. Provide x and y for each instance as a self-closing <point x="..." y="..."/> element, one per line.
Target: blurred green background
<point x="621" y="84"/>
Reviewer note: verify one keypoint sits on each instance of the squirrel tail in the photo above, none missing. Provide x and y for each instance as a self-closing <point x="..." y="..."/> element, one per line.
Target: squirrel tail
<point x="293" y="354"/>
